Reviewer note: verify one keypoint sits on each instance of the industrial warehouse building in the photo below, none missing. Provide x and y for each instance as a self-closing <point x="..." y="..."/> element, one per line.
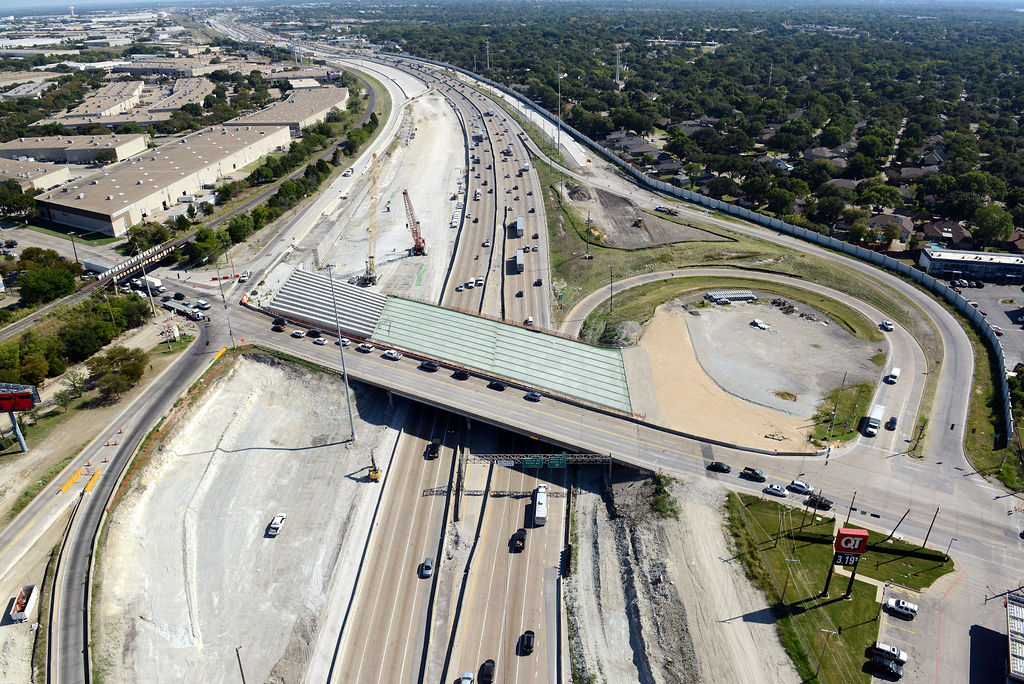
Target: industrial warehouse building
<point x="303" y="108"/>
<point x="64" y="149"/>
<point x="129" y="192"/>
<point x="32" y="175"/>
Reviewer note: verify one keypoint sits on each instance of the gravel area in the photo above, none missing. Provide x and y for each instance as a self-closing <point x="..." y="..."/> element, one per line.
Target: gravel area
<point x="189" y="572"/>
<point x="789" y="366"/>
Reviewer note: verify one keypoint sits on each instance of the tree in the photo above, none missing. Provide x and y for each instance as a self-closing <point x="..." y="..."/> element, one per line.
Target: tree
<point x="34" y="369"/>
<point x="879" y="195"/>
<point x="74" y="382"/>
<point x="722" y="186"/>
<point x="106" y="156"/>
<point x="112" y="386"/>
<point x="191" y="212"/>
<point x="829" y="209"/>
<point x="45" y="284"/>
<point x="992" y="222"/>
<point x="117" y="370"/>
<point x="780" y="201"/>
<point x="206" y="208"/>
<point x="64" y="398"/>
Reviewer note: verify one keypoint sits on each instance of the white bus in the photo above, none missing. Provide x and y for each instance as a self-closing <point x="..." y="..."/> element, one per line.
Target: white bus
<point x="540" y="506"/>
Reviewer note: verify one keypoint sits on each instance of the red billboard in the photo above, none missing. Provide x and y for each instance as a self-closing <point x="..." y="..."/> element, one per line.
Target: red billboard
<point x="21" y="401"/>
<point x="850" y="540"/>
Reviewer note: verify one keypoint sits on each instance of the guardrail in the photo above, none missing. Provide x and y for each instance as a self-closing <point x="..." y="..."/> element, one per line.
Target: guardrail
<point x="926" y="281"/>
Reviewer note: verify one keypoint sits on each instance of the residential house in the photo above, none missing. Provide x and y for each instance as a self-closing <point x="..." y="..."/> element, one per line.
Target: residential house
<point x="880" y="222"/>
<point x="949" y="233"/>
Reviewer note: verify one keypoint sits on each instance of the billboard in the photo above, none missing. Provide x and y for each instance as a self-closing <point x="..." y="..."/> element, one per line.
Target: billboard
<point x="851" y="541"/>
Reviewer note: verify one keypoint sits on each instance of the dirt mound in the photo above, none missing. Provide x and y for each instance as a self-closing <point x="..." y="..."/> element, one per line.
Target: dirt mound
<point x="577" y="193"/>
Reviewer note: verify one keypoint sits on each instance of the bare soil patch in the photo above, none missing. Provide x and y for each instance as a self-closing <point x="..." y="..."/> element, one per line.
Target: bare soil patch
<point x="620" y="222"/>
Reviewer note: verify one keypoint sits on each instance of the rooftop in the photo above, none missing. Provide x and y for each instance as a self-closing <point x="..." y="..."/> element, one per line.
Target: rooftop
<point x="974" y="257"/>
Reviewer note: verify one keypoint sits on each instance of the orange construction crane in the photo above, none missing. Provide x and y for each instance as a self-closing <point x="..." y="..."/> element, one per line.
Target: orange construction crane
<point x="419" y="243"/>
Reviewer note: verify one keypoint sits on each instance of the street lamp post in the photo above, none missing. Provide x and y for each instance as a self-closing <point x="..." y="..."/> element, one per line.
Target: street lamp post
<point x="558" y="145"/>
<point x="341" y="348"/>
<point x="224" y="301"/>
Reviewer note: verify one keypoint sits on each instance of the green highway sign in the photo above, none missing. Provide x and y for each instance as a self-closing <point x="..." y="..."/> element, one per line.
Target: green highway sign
<point x="556" y="461"/>
<point x="533" y="462"/>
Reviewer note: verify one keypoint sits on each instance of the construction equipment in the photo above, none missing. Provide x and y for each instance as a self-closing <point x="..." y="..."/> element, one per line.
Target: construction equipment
<point x="369" y="277"/>
<point x="374" y="471"/>
<point x="638" y="223"/>
<point x="419" y="243"/>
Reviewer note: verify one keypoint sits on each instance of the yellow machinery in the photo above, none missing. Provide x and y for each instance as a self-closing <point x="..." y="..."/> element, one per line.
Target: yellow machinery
<point x="374" y="470"/>
<point x="369" y="277"/>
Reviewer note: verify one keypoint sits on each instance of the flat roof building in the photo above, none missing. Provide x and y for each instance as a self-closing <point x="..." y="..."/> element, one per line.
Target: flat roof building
<point x="303" y="108"/>
<point x="129" y="192"/>
<point x="111" y="99"/>
<point x="74" y="149"/>
<point x="33" y="175"/>
<point x="990" y="266"/>
<point x="32" y="90"/>
<point x="185" y="91"/>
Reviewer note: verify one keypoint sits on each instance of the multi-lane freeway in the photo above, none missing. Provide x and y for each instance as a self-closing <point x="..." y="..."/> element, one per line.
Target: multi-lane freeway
<point x="506" y="592"/>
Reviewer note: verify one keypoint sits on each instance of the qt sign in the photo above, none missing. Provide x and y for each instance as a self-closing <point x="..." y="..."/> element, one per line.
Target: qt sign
<point x="849" y="540"/>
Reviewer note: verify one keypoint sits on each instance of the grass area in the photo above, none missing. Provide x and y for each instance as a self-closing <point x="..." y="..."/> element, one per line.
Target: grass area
<point x="639" y="303"/>
<point x="39" y="643"/>
<point x="171" y="348"/>
<point x="879" y="359"/>
<point x="784" y="552"/>
<point x="662" y="502"/>
<point x="853" y="405"/>
<point x="92" y="239"/>
<point x="902" y="563"/>
<point x="785" y="396"/>
<point x="791" y="572"/>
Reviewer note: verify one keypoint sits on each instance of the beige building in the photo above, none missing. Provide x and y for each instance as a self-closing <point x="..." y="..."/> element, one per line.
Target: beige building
<point x="129" y="192"/>
<point x="115" y="98"/>
<point x="302" y="108"/>
<point x="186" y="91"/>
<point x="32" y="90"/>
<point x="33" y="175"/>
<point x="74" y="150"/>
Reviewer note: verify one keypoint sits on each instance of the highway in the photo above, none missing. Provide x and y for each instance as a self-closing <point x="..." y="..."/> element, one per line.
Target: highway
<point x="886" y="484"/>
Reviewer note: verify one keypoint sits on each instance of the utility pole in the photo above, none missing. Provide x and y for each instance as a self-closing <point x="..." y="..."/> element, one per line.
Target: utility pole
<point x="239" y="657"/>
<point x="488" y="44"/>
<point x="74" y="248"/>
<point x="930" y="525"/>
<point x="611" y="293"/>
<point x="558" y="145"/>
<point x="224" y="301"/>
<point x="341" y="347"/>
<point x="849" y="512"/>
<point x="828" y="636"/>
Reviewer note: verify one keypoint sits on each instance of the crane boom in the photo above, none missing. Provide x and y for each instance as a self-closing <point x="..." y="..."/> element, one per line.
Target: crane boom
<point x="419" y="243"/>
<point x="369" y="277"/>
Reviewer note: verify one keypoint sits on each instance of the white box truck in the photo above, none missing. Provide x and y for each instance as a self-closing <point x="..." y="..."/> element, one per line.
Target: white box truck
<point x="154" y="283"/>
<point x="874" y="420"/>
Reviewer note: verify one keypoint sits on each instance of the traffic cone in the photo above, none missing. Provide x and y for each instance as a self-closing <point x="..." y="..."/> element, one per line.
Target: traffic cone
<point x="115" y="442"/>
<point x="88" y="464"/>
<point x="105" y="459"/>
<point x="120" y="431"/>
<point x="108" y="443"/>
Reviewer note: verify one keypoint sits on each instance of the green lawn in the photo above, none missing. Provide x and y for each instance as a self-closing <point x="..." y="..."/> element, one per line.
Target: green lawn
<point x="853" y="405"/>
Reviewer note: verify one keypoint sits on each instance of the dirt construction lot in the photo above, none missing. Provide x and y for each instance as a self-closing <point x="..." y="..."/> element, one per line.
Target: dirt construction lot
<point x="721" y="377"/>
<point x="661" y="600"/>
<point x="616" y="218"/>
<point x="189" y="571"/>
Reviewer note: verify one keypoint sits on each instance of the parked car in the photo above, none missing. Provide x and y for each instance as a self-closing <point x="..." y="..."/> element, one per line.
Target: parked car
<point x="275" y="524"/>
<point x="800" y="487"/>
<point x="466" y="678"/>
<point x="888" y="651"/>
<point x="179" y="296"/>
<point x="392" y="355"/>
<point x="775" y="490"/>
<point x="885" y="667"/>
<point x="902" y="608"/>
<point x="719" y="467"/>
<point x="752" y="474"/>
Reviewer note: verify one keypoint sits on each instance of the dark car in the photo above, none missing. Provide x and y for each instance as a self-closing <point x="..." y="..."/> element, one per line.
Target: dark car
<point x="820" y="502"/>
<point x="487" y="672"/>
<point x="753" y="474"/>
<point x="433" y="448"/>
<point x="885" y="667"/>
<point x="461" y="374"/>
<point x="519" y="540"/>
<point x="719" y="467"/>
<point x="280" y="321"/>
<point x="313" y="332"/>
<point x="526" y="642"/>
<point x="891" y="423"/>
<point x="10" y="243"/>
<point x="497" y="385"/>
<point x="538" y="282"/>
<point x="166" y="298"/>
<point x="179" y="296"/>
<point x="430" y="366"/>
<point x="532" y="396"/>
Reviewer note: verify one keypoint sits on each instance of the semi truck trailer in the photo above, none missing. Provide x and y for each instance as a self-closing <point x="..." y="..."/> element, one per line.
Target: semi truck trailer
<point x="24" y="603"/>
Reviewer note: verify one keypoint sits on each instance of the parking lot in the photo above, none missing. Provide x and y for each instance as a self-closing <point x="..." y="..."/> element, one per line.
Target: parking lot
<point x="1004" y="308"/>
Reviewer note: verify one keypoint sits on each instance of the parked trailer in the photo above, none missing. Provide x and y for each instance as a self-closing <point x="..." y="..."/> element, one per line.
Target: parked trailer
<point x="874" y="420"/>
<point x="24" y="603"/>
<point x="154" y="283"/>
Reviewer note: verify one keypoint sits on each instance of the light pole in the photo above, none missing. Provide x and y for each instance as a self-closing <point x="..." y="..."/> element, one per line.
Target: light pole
<point x="558" y="145"/>
<point x="341" y="348"/>
<point x="828" y="636"/>
<point x="224" y="301"/>
<point x="74" y="248"/>
<point x="239" y="657"/>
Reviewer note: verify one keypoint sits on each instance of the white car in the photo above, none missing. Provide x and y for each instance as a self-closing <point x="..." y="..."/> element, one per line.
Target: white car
<point x="459" y="288"/>
<point x="392" y="355"/>
<point x="275" y="524"/>
<point x="348" y="172"/>
<point x="320" y="341"/>
<point x="298" y="333"/>
<point x="528" y="321"/>
<point x="365" y="347"/>
<point x="902" y="608"/>
<point x="344" y="342"/>
<point x="800" y="487"/>
<point x="888" y="326"/>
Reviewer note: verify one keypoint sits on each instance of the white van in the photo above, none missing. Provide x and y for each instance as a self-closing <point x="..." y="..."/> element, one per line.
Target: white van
<point x="893" y="376"/>
<point x="202" y="304"/>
